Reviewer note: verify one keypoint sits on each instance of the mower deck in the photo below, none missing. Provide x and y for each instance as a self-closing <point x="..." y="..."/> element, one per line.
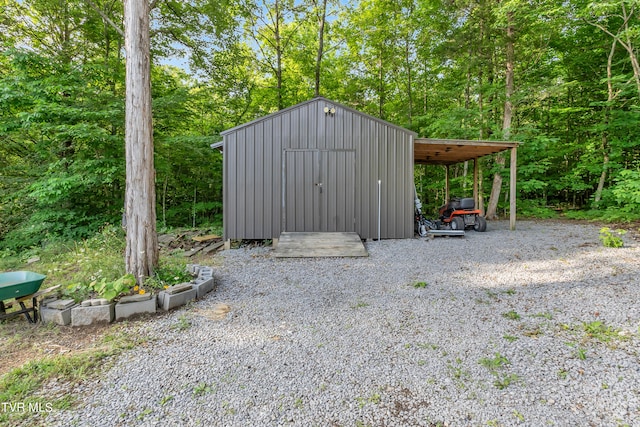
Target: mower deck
<point x="435" y="233"/>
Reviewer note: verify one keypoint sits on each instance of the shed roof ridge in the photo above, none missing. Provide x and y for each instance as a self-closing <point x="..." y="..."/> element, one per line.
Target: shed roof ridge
<point x="309" y="101"/>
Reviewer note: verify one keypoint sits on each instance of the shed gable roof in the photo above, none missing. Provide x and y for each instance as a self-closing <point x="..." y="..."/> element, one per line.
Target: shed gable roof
<point x="311" y="101"/>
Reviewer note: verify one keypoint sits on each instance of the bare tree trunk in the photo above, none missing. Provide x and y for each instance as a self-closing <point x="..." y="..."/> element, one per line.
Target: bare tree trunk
<point x="381" y="89"/>
<point x="278" y="54"/>
<point x="506" y="123"/>
<point x="605" y="138"/>
<point x="409" y="79"/>
<point x="322" y="16"/>
<point x="141" y="256"/>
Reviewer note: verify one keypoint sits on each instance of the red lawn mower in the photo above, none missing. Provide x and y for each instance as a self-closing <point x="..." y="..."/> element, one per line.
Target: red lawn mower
<point x="460" y="213"/>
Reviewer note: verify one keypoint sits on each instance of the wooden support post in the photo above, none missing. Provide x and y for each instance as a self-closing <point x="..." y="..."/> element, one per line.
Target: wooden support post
<point x="476" y="200"/>
<point x="512" y="188"/>
<point x="446" y="184"/>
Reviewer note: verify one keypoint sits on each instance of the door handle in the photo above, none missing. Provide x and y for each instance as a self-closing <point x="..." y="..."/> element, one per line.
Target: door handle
<point x="319" y="184"/>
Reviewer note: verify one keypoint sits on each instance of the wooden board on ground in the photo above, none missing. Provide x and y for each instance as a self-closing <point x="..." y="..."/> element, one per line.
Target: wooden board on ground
<point x="325" y="244"/>
<point x="213" y="247"/>
<point x="205" y="238"/>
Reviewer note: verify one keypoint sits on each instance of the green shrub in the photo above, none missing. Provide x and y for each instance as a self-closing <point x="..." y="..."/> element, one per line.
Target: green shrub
<point x="170" y="272"/>
<point x="112" y="289"/>
<point x="612" y="238"/>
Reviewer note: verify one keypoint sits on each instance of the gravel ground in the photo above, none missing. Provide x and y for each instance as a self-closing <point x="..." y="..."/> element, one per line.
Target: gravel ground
<point x="534" y="327"/>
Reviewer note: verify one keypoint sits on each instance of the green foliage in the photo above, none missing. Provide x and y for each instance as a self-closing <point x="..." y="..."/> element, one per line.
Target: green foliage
<point x="511" y="315"/>
<point x="435" y="69"/>
<point x="182" y="324"/>
<point x="172" y="270"/>
<point x="627" y="191"/>
<point x="535" y="209"/>
<point x="112" y="289"/>
<point x="494" y="363"/>
<point x="496" y="366"/>
<point x="612" y="238"/>
<point x="598" y="330"/>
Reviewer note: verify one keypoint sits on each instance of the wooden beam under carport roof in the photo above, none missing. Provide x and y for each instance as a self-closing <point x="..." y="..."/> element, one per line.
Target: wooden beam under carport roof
<point x="450" y="151"/>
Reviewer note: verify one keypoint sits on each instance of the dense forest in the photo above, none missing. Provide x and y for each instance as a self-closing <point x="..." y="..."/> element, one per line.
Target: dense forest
<point x="567" y="72"/>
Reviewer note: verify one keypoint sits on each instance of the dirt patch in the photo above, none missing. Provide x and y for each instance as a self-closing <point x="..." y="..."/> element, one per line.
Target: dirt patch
<point x="22" y="341"/>
<point x="217" y="312"/>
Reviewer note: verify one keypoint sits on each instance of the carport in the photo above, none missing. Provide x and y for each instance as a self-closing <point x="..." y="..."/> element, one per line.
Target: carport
<point x="451" y="151"/>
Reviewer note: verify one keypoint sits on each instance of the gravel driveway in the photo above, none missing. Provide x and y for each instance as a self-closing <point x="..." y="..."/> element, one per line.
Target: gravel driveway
<point x="534" y="327"/>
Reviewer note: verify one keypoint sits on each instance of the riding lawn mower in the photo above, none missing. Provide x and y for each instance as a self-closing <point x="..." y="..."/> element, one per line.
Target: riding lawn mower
<point x="458" y="214"/>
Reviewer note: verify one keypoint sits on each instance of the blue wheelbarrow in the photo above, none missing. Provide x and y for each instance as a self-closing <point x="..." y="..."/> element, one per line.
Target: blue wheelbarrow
<point x="21" y="286"/>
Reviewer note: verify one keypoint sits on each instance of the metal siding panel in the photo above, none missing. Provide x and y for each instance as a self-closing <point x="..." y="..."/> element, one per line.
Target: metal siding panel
<point x="375" y="176"/>
<point x="333" y="178"/>
<point x="232" y="187"/>
<point x="382" y="168"/>
<point x="298" y="205"/>
<point x="270" y="196"/>
<point x="285" y="131"/>
<point x="289" y="207"/>
<point x="311" y="125"/>
<point x="339" y="128"/>
<point x="249" y="189"/>
<point x="287" y="171"/>
<point x="330" y="130"/>
<point x="354" y="138"/>
<point x="363" y="162"/>
<point x="326" y="180"/>
<point x="225" y="185"/>
<point x="241" y="164"/>
<point x="307" y="195"/>
<point x="321" y="127"/>
<point x="392" y="201"/>
<point x="291" y="130"/>
<point x="347" y="131"/>
<point x="315" y="125"/>
<point x="277" y="172"/>
<point x="350" y="175"/>
<point x="258" y="181"/>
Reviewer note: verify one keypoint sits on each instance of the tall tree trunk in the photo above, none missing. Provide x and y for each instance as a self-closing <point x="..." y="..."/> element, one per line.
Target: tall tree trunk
<point x="506" y="122"/>
<point x="381" y="89"/>
<point x="141" y="256"/>
<point x="407" y="53"/>
<point x="322" y="15"/>
<point x="278" y="40"/>
<point x="605" y="137"/>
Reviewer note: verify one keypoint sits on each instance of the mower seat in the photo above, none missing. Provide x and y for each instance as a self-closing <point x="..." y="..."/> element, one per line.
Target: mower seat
<point x="467" y="204"/>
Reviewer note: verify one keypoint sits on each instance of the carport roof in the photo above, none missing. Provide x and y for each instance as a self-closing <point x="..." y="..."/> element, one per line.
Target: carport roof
<point x="450" y="151"/>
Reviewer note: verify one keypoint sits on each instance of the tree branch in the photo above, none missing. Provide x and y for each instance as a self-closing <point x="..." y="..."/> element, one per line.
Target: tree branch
<point x="105" y="17"/>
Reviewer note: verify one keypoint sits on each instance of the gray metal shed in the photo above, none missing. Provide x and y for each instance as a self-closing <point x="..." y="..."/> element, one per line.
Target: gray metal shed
<point x="317" y="166"/>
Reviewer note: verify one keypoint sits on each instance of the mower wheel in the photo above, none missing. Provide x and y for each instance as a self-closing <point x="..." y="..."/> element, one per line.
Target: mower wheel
<point x="457" y="223"/>
<point x="481" y="224"/>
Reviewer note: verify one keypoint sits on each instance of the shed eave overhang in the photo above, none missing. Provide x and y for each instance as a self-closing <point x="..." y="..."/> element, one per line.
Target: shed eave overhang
<point x="428" y="151"/>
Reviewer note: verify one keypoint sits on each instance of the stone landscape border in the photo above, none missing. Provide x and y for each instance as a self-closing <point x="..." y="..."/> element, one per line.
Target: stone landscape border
<point x="67" y="312"/>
